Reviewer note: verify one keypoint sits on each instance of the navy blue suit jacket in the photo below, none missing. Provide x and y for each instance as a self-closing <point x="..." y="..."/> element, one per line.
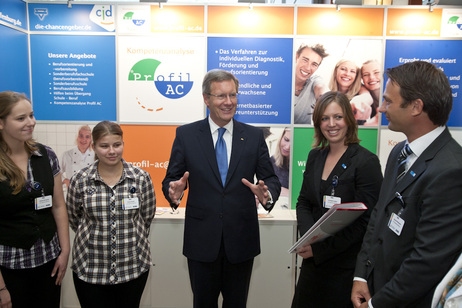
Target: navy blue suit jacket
<point x="213" y="212"/>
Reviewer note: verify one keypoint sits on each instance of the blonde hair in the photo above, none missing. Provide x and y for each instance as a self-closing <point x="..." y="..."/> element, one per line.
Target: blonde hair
<point x="9" y="171"/>
<point x="82" y="128"/>
<point x="354" y="88"/>
<point x="279" y="159"/>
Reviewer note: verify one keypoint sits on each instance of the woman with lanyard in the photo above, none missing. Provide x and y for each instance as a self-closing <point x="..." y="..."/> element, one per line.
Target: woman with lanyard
<point x="111" y="205"/>
<point x="34" y="229"/>
<point x="338" y="170"/>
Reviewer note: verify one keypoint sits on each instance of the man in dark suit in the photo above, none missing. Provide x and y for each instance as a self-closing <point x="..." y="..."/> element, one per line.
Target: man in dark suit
<point x="415" y="231"/>
<point x="221" y="235"/>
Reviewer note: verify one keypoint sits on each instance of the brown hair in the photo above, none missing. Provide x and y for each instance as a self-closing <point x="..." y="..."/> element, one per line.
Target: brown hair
<point x="217" y="75"/>
<point x="321" y="105"/>
<point x="318" y="48"/>
<point x="105" y="128"/>
<point x="8" y="169"/>
<point x="422" y="80"/>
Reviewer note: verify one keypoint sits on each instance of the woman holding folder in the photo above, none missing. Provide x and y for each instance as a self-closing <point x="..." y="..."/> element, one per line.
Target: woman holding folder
<point x="338" y="170"/>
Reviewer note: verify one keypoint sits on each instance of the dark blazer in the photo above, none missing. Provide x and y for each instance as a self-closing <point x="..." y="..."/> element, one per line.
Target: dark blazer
<point x="359" y="179"/>
<point x="403" y="271"/>
<point x="214" y="212"/>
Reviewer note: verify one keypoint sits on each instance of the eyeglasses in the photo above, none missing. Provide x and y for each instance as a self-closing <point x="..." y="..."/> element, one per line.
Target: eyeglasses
<point x="223" y="97"/>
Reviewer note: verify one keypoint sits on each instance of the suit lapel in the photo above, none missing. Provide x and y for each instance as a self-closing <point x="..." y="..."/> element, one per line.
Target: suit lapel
<point x="317" y="171"/>
<point x="205" y="141"/>
<point x="419" y="166"/>
<point x="388" y="189"/>
<point x="341" y="166"/>
<point x="239" y="142"/>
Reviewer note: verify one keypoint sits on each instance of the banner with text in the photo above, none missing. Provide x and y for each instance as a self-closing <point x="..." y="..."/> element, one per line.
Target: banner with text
<point x="442" y="53"/>
<point x="78" y="18"/>
<point x="148" y="147"/>
<point x="14" y="12"/>
<point x="263" y="67"/>
<point x="73" y="77"/>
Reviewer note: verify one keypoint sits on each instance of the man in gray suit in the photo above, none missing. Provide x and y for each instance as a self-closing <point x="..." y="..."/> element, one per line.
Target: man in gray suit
<point x="415" y="231"/>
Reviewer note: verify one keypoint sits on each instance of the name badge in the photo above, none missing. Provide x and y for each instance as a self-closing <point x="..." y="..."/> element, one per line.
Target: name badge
<point x="43" y="202"/>
<point x="396" y="224"/>
<point x="130" y="203"/>
<point x="330" y="201"/>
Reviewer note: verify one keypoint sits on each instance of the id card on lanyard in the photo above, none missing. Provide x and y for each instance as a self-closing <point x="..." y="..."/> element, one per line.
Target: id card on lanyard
<point x="329" y="201"/>
<point x="132" y="202"/>
<point x="42" y="202"/>
<point x="396" y="223"/>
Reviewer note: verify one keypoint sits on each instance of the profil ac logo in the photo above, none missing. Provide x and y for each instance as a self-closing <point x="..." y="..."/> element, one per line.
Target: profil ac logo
<point x="455" y="20"/>
<point x="134" y="18"/>
<point x="172" y="85"/>
<point x="102" y="16"/>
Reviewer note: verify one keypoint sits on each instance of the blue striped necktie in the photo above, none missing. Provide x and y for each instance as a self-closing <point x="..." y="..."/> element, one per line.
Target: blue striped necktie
<point x="222" y="155"/>
<point x="405" y="152"/>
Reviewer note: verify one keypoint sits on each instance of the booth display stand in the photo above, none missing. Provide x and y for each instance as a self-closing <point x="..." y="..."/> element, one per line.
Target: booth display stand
<point x="273" y="277"/>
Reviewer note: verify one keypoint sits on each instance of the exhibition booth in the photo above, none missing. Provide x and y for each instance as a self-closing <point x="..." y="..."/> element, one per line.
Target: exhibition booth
<point x="141" y="65"/>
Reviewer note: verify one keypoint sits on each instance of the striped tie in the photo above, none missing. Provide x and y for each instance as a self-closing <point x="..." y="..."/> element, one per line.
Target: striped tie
<point x="405" y="152"/>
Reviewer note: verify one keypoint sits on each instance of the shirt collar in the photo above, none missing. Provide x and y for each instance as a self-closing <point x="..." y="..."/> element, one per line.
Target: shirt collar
<point x="36" y="152"/>
<point x="87" y="151"/>
<point x="419" y="145"/>
<point x="128" y="171"/>
<point x="214" y="127"/>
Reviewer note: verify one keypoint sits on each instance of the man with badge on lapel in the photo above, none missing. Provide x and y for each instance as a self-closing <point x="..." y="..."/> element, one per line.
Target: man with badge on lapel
<point x="218" y="158"/>
<point x="415" y="231"/>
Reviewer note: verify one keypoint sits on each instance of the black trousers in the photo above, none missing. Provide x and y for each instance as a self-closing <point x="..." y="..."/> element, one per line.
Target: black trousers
<point x="121" y="295"/>
<point x="323" y="286"/>
<point x="209" y="279"/>
<point x="32" y="287"/>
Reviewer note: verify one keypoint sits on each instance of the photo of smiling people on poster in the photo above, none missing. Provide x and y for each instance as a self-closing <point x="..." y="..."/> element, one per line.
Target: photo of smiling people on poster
<point x="372" y="75"/>
<point x="346" y="78"/>
<point x="279" y="142"/>
<point x="308" y="87"/>
<point x="341" y="71"/>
